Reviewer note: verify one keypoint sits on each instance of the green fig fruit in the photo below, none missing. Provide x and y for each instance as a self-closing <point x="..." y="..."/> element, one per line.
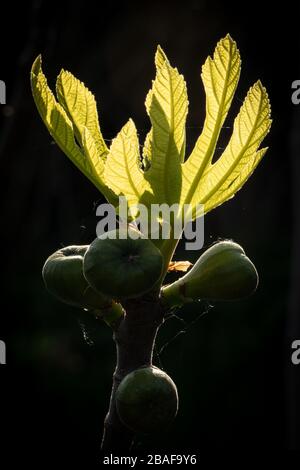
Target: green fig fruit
<point x="223" y="272"/>
<point x="63" y="277"/>
<point x="147" y="400"/>
<point x="122" y="267"/>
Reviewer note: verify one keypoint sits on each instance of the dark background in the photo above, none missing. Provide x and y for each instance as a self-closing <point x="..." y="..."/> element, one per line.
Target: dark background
<point x="238" y="389"/>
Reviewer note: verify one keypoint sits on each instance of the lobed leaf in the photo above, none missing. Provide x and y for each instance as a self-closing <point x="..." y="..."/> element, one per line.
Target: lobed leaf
<point x="220" y="77"/>
<point x="80" y="105"/>
<point x="163" y="176"/>
<point x="61" y="128"/>
<point x="241" y="156"/>
<point x="122" y="170"/>
<point x="167" y="106"/>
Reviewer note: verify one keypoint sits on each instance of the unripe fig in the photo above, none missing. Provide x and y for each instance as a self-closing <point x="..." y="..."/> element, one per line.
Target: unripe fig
<point x="122" y="267"/>
<point x="63" y="277"/>
<point x="147" y="400"/>
<point x="223" y="272"/>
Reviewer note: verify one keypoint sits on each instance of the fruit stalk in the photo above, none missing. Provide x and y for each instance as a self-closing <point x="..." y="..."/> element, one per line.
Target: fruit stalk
<point x="134" y="337"/>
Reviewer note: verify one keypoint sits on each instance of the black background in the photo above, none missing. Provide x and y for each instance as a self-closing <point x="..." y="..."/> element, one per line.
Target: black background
<point x="238" y="389"/>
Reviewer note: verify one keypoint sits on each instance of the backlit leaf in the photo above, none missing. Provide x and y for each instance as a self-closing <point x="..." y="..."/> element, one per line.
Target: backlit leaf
<point x="80" y="105"/>
<point x="78" y="144"/>
<point x="220" y="76"/>
<point x="167" y="106"/>
<point x="122" y="170"/>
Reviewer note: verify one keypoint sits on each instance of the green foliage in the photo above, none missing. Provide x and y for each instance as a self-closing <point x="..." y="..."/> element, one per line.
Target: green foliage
<point x="132" y="268"/>
<point x="166" y="177"/>
<point x="74" y="128"/>
<point x="162" y="174"/>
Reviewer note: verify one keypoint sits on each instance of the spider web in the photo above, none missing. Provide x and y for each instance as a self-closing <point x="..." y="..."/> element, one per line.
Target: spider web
<point x="177" y="338"/>
<point x="90" y="326"/>
<point x="183" y="323"/>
